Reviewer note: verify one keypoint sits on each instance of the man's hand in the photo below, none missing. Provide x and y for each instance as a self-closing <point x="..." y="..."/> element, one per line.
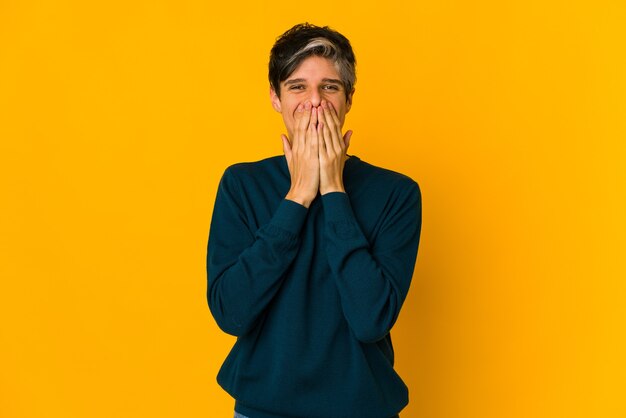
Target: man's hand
<point x="332" y="149"/>
<point x="302" y="154"/>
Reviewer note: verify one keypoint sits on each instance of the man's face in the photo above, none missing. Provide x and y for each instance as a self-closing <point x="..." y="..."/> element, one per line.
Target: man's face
<point x="315" y="79"/>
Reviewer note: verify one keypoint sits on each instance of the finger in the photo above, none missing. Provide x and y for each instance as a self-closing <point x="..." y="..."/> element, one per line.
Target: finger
<point x="304" y="120"/>
<point x="334" y="115"/>
<point x="312" y="129"/>
<point x="286" y="146"/>
<point x="320" y="136"/>
<point x="314" y="118"/>
<point x="333" y="133"/>
<point x="295" y="139"/>
<point x="330" y="122"/>
<point x="328" y="139"/>
<point x="346" y="139"/>
<point x="313" y="137"/>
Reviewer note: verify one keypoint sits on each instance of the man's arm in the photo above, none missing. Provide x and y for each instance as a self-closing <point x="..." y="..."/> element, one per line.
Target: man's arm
<point x="373" y="280"/>
<point x="245" y="268"/>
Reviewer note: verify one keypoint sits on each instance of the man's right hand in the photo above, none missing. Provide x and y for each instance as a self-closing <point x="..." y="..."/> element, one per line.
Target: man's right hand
<point x="302" y="154"/>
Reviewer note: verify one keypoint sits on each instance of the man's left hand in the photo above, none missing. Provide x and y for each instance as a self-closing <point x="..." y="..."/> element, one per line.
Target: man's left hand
<point x="332" y="149"/>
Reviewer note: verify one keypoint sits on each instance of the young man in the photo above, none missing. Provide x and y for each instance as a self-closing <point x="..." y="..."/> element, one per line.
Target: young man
<point x="311" y="253"/>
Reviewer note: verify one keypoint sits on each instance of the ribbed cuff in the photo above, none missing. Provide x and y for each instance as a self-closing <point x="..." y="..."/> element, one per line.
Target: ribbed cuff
<point x="340" y="220"/>
<point x="289" y="216"/>
<point x="337" y="207"/>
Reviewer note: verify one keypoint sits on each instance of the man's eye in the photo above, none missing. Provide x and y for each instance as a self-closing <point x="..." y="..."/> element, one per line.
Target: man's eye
<point x="296" y="87"/>
<point x="331" y="87"/>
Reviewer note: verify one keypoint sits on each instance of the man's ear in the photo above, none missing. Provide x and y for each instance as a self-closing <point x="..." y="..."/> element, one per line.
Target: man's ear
<point x="349" y="100"/>
<point x="275" y="100"/>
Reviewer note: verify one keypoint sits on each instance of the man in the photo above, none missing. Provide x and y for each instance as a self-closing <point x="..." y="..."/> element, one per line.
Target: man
<point x="311" y="254"/>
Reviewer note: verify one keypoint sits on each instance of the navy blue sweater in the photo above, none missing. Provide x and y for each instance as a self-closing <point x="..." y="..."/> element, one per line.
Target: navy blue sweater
<point x="312" y="293"/>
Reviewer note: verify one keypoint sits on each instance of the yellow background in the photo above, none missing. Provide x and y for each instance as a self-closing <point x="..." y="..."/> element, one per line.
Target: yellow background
<point x="117" y="119"/>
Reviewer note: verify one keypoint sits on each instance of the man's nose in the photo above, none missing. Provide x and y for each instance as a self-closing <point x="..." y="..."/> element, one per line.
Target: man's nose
<point x="316" y="98"/>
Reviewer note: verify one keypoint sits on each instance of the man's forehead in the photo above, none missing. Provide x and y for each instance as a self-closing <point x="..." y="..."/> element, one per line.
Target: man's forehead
<point x="316" y="65"/>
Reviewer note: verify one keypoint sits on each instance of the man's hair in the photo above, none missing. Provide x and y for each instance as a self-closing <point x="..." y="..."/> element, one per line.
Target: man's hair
<point x="305" y="40"/>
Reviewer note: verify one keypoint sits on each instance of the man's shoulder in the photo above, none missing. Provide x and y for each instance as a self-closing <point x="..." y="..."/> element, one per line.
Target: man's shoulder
<point x="265" y="164"/>
<point x="375" y="174"/>
<point x="253" y="169"/>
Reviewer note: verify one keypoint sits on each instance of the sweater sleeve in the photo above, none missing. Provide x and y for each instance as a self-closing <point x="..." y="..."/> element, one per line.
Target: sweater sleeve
<point x="373" y="280"/>
<point x="245" y="267"/>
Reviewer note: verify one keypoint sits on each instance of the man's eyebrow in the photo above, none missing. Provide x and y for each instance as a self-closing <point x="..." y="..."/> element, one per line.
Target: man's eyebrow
<point x="294" y="81"/>
<point x="302" y="80"/>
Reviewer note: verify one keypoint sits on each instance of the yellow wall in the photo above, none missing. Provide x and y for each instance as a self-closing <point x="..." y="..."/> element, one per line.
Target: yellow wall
<point x="117" y="119"/>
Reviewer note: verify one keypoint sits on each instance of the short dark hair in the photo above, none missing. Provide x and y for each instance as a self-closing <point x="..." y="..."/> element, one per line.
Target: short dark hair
<point x="305" y="40"/>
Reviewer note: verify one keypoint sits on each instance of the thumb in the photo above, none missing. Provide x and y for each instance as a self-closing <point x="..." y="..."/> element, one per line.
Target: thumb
<point x="346" y="138"/>
<point x="286" y="146"/>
